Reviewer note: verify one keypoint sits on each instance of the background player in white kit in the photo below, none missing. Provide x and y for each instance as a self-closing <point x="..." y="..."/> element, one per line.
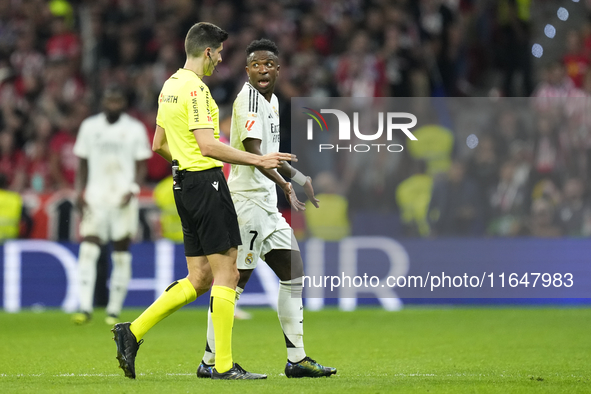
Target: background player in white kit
<point x="112" y="147"/>
<point x="264" y="231"/>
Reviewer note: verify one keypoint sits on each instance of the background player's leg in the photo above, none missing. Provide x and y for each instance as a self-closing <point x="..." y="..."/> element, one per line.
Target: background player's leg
<point x="94" y="232"/>
<point x="178" y="294"/>
<point x="87" y="259"/>
<point x="290" y="308"/>
<point x="120" y="276"/>
<point x="101" y="290"/>
<point x="123" y="224"/>
<point x="221" y="306"/>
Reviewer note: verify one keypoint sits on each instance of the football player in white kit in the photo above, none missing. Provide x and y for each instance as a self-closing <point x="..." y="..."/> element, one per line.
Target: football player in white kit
<point x="113" y="148"/>
<point x="264" y="231"/>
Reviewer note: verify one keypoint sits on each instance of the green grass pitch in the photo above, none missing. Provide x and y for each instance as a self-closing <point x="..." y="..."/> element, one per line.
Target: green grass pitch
<point x="417" y="350"/>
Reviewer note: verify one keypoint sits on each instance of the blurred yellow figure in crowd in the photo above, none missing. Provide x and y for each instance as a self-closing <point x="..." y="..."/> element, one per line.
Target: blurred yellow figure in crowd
<point x="170" y="222"/>
<point x="331" y="223"/>
<point x="11" y="209"/>
<point x="413" y="196"/>
<point x="435" y="148"/>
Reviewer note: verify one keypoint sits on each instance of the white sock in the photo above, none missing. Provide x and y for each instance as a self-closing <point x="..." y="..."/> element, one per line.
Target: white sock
<point x="290" y="311"/>
<point x="209" y="355"/>
<point x="120" y="276"/>
<point x="87" y="259"/>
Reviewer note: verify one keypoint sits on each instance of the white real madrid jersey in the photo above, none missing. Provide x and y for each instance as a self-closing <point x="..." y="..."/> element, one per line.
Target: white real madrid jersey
<point x="254" y="117"/>
<point x="112" y="151"/>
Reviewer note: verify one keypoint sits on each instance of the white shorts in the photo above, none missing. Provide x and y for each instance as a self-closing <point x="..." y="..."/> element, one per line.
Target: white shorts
<point x="261" y="231"/>
<point x="110" y="223"/>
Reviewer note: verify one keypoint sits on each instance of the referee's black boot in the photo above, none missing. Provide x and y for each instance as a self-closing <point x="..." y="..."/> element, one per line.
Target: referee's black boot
<point x="127" y="347"/>
<point x="236" y="373"/>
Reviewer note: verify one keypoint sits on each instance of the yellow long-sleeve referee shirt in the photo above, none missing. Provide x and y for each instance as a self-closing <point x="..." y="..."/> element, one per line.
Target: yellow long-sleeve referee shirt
<point x="185" y="104"/>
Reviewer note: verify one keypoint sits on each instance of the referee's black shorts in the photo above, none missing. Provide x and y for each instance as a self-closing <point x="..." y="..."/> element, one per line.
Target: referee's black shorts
<point x="207" y="213"/>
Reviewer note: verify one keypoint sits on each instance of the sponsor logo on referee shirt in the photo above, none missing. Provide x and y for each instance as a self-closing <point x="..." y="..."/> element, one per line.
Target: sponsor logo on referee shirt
<point x="169" y="98"/>
<point x="195" y="110"/>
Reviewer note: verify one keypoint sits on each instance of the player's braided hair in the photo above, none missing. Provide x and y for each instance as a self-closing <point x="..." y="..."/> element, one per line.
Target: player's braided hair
<point x="202" y="35"/>
<point x="262" y="45"/>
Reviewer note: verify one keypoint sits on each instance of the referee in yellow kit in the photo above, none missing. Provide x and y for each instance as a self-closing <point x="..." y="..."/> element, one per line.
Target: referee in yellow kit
<point x="188" y="131"/>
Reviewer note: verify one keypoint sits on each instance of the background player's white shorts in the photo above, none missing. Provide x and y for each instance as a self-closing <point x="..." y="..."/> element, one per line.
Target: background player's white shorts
<point x="110" y="223"/>
<point x="261" y="231"/>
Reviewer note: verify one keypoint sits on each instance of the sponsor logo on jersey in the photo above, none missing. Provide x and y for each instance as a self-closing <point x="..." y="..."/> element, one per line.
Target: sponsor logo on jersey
<point x="169" y="99"/>
<point x="249" y="259"/>
<point x="108" y="147"/>
<point x="195" y="110"/>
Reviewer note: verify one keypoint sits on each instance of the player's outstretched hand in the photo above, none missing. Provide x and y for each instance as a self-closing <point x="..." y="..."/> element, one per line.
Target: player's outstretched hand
<point x="309" y="190"/>
<point x="275" y="160"/>
<point x="291" y="197"/>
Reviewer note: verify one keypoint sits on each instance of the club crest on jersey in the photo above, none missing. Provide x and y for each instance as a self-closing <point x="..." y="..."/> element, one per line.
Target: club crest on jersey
<point x="249" y="259"/>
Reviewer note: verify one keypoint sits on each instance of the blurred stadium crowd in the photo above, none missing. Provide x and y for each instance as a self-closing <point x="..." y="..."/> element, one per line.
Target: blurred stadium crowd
<point x="57" y="56"/>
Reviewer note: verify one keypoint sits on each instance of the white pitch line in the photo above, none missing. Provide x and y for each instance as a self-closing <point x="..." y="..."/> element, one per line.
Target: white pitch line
<point x="84" y="375"/>
<point x="402" y="375"/>
<point x="179" y="374"/>
<point x="61" y="375"/>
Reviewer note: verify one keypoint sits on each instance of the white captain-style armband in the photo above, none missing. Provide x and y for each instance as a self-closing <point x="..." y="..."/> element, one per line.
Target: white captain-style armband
<point x="299" y="178"/>
<point x="134" y="189"/>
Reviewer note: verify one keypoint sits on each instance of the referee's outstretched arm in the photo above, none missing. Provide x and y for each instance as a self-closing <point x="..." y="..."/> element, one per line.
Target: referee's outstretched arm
<point x="211" y="147"/>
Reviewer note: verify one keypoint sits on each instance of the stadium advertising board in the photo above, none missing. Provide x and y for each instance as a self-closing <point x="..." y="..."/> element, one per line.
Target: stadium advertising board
<point x="40" y="274"/>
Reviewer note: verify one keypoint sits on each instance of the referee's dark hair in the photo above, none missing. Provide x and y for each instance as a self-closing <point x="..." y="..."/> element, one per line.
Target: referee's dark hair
<point x="202" y="35"/>
<point x="261" y="45"/>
